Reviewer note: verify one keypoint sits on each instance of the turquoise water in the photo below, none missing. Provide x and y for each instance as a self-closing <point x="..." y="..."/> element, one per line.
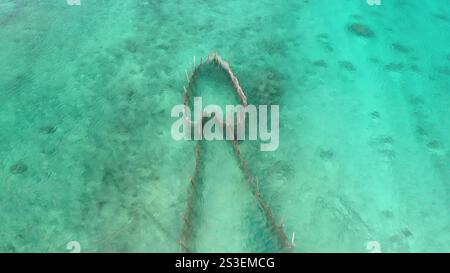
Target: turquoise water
<point x="86" y="152"/>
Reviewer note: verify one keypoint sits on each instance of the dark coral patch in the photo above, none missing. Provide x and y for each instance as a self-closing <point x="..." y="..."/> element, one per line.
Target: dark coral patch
<point x="347" y="65"/>
<point x="375" y="115"/>
<point x="326" y="154"/>
<point x="48" y="129"/>
<point x="361" y="30"/>
<point x="394" y="67"/>
<point x="18" y="168"/>
<point x="401" y="48"/>
<point x="320" y="63"/>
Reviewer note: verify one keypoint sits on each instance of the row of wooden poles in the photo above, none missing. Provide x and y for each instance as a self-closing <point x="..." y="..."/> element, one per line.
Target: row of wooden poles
<point x="283" y="241"/>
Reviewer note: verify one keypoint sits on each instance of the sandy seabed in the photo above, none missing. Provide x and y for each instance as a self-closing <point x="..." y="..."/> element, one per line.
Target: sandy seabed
<point x="86" y="152"/>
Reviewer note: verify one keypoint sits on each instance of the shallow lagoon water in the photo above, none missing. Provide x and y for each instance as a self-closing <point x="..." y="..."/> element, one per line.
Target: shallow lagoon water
<point x="85" y="147"/>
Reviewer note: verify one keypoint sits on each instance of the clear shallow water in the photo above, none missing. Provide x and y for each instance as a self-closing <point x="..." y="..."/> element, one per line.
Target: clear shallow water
<point x="86" y="152"/>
